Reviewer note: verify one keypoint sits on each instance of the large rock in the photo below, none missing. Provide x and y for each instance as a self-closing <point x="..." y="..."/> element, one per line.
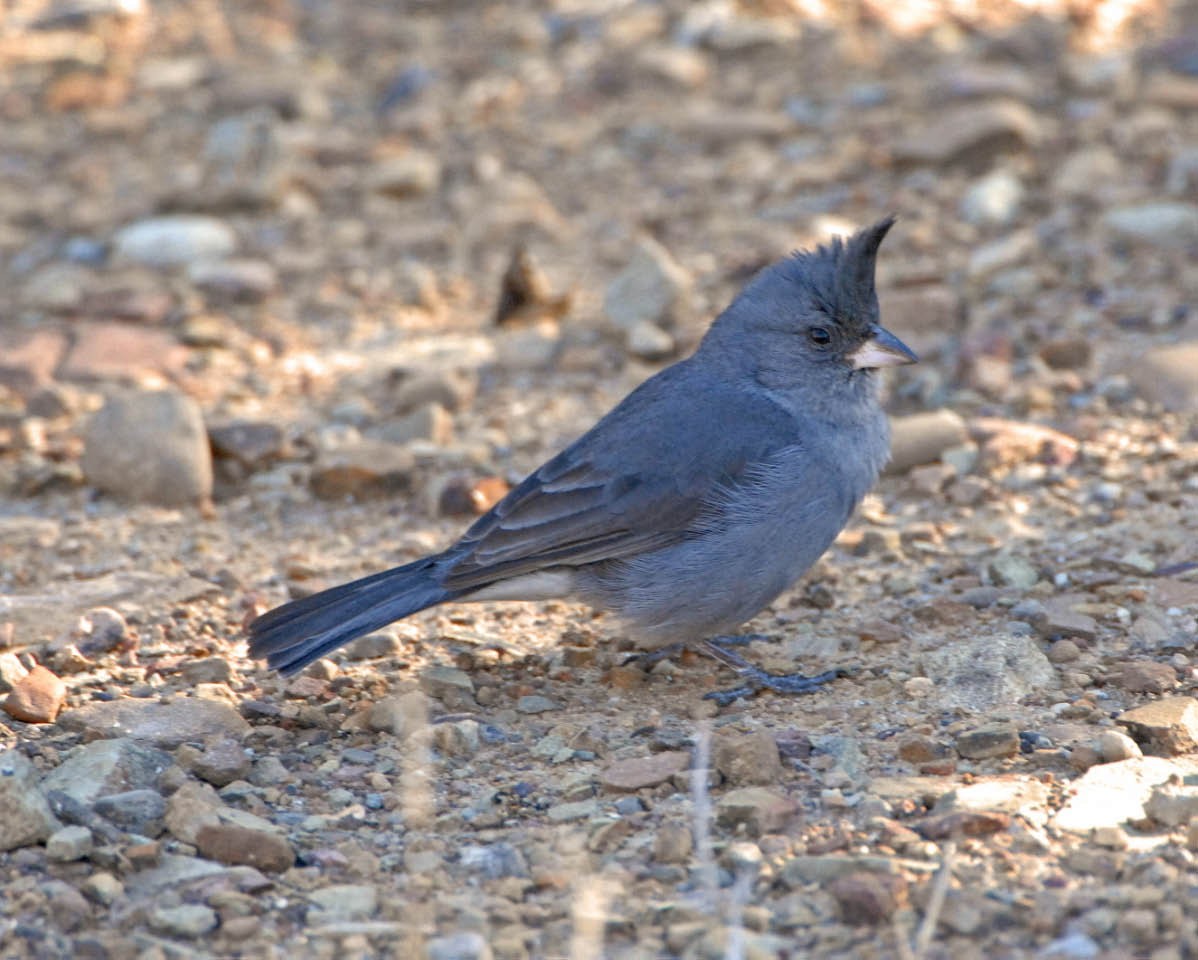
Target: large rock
<point x="149" y="446"/>
<point x="165" y="725"/>
<point x="175" y="240"/>
<point x="1110" y="794"/>
<point x="985" y="670"/>
<point x="104" y="767"/>
<point x="26" y="816"/>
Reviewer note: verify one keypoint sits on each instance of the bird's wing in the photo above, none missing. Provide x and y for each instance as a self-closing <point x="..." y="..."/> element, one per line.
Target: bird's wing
<point x="639" y="480"/>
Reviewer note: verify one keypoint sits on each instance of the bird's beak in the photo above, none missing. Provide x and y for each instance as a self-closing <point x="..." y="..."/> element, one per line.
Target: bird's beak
<point x="883" y="349"/>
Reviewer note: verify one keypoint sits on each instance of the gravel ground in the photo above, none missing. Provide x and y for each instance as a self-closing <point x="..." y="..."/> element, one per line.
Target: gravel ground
<point x="290" y="292"/>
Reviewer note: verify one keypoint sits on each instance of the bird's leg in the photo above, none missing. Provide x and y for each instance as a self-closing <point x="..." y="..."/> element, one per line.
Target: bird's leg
<point x="757" y="679"/>
<point x="651" y="657"/>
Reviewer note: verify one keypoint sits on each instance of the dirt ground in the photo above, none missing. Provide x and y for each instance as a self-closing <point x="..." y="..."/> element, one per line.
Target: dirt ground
<point x="291" y="291"/>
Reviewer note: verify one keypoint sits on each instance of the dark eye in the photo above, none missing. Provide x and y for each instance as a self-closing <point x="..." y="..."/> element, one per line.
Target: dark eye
<point x="819" y="336"/>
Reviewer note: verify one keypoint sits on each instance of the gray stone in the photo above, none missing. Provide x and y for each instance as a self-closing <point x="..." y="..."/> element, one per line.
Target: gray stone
<point x="411" y="174"/>
<point x="535" y="703"/>
<point x="343" y="901"/>
<point x="1173" y="804"/>
<point x="163" y="724"/>
<point x="749" y="758"/>
<point x="1162" y="224"/>
<point x="983" y="743"/>
<point x="431" y="423"/>
<point x="175" y="240"/>
<point x="994" y="200"/>
<point x="1012" y="570"/>
<point x="982" y="671"/>
<point x="12" y="671"/>
<point x="1115" y="745"/>
<point x="649" y="289"/>
<point x="149" y="446"/>
<point x="1084" y="170"/>
<point x="453" y="687"/>
<point x="494" y="860"/>
<point x="363" y="469"/>
<point x="922" y="437"/>
<point x="1166" y="376"/>
<point x="970" y="135"/>
<point x="189" y="920"/>
<point x="458" y="946"/>
<point x="69" y="843"/>
<point x="138" y="811"/>
<point x="26" y="818"/>
<point x="383" y="643"/>
<point x="238" y="281"/>
<point x="647" y="341"/>
<point x="1167" y="727"/>
<point x="105" y="767"/>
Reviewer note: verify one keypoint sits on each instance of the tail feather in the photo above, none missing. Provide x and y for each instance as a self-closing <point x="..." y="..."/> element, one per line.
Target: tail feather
<point x="297" y="633"/>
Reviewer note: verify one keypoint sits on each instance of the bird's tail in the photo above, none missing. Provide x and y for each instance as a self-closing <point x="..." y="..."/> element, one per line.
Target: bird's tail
<point x="293" y="635"/>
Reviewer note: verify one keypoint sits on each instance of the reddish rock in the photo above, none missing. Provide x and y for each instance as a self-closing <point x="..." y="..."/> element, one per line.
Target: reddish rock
<point x="1166" y="727"/>
<point x="626" y="776"/>
<point x="243" y="846"/>
<point x="963" y="823"/>
<point x="1147" y="676"/>
<point x="37" y="697"/>
<point x="118" y="351"/>
<point x="866" y="897"/>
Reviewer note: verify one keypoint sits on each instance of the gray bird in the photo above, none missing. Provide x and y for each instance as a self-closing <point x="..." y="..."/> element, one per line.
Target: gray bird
<point x="709" y="490"/>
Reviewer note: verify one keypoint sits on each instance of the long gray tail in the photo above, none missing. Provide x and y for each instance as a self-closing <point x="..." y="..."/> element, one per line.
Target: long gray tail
<point x="293" y="635"/>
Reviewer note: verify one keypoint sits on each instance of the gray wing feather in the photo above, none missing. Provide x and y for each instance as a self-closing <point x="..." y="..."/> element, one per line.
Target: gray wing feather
<point x="638" y="481"/>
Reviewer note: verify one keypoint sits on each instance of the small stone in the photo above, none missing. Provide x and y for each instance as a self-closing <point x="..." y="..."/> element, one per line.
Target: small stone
<point x="1167" y="727"/>
<point x="149" y="446"/>
<point x="36" y="697"/>
<point x="1161" y="224"/>
<point x="995" y="740"/>
<point x="452" y="390"/>
<point x="453" y="687"/>
<point x="343" y="901"/>
<point x="922" y="437"/>
<point x="647" y="341"/>
<point x="69" y="843"/>
<point x="1166" y="376"/>
<point x="1115" y="745"/>
<point x="237" y="845"/>
<point x="1083" y="170"/>
<point x="760" y="810"/>
<point x="103" y="888"/>
<point x="190" y="920"/>
<point x="1064" y="651"/>
<point x="12" y="671"/>
<point x="1012" y="570"/>
<point x="1072" y="353"/>
<point x="493" y="861"/>
<point x="123" y="352"/>
<point x="672" y="843"/>
<point x="985" y="671"/>
<point x="461" y="496"/>
<point x="26" y="816"/>
<point x="236" y="281"/>
<point x="461" y="739"/>
<point x="536" y="704"/>
<point x="747" y="759"/>
<point x="964" y="823"/>
<point x="649" y="289"/>
<point x="101" y="630"/>
<point x="994" y="200"/>
<point x="636" y="773"/>
<point x="363" y="469"/>
<point x="431" y="423"/>
<point x="382" y="643"/>
<point x="175" y="240"/>
<point x="1060" y="620"/>
<point x="920" y="749"/>
<point x="411" y="174"/>
<point x="406" y="713"/>
<point x="970" y="135"/>
<point x="458" y="946"/>
<point x="222" y="761"/>
<point x="868" y="897"/>
<point x="104" y="767"/>
<point x="138" y="811"/>
<point x="1147" y="676"/>
<point x="251" y="443"/>
<point x="165" y="725"/>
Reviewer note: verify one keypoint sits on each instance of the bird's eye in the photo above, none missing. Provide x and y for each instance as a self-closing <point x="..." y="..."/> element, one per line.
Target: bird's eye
<point x="819" y="336"/>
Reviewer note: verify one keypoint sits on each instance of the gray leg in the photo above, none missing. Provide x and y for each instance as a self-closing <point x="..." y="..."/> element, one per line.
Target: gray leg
<point x="757" y="679"/>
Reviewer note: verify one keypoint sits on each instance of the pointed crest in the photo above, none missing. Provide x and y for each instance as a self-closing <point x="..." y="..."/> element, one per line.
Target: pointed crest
<point x="855" y="272"/>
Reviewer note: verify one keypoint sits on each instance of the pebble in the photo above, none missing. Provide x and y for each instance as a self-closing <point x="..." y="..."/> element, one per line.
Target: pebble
<point x="251" y="443"/>
<point x="237" y="845"/>
<point x="984" y="671"/>
<point x="101" y="630"/>
<point x="26" y="816"/>
<point x="138" y="811"/>
<point x="431" y="423"/>
<point x="535" y="703"/>
<point x="983" y="743"/>
<point x="12" y="671"/>
<point x="68" y="844"/>
<point x="453" y="687"/>
<point x="222" y="761"/>
<point x="363" y="469"/>
<point x="747" y="759"/>
<point x="452" y="390"/>
<point x="411" y="174"/>
<point x="458" y="946"/>
<point x="1173" y="804"/>
<point x="920" y="438"/>
<point x="175" y="241"/>
<point x="648" y="290"/>
<point x="1115" y="745"/>
<point x="494" y="861"/>
<point x="190" y="920"/>
<point x="105" y="767"/>
<point x="636" y="773"/>
<point x="382" y="643"/>
<point x="234" y="281"/>
<point x="149" y="446"/>
<point x="343" y="901"/>
<point x="1083" y="170"/>
<point x="166" y="725"/>
<point x="868" y="898"/>
<point x="1013" y="570"/>
<point x="760" y="810"/>
<point x="1166" y="376"/>
<point x="970" y="135"/>
<point x="37" y="697"/>
<point x="647" y="341"/>
<point x="103" y="888"/>
<point x="1162" y="224"/>
<point x="993" y="201"/>
<point x="1167" y="727"/>
<point x="1147" y="676"/>
<point x="673" y="843"/>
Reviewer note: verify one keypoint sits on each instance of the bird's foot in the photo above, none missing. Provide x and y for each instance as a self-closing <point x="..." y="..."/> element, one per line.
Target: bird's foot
<point x="755" y="679"/>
